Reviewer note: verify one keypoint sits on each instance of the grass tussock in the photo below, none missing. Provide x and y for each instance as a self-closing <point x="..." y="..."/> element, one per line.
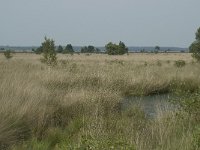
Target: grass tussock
<point x="76" y="105"/>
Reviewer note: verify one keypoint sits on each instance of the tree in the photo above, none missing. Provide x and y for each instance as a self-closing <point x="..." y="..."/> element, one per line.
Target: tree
<point x="89" y="49"/>
<point x="60" y="49"/>
<point x="114" y="49"/>
<point x="111" y="49"/>
<point x="195" y="47"/>
<point x="68" y="49"/>
<point x="122" y="48"/>
<point x="198" y="34"/>
<point x="157" y="48"/>
<point x="84" y="49"/>
<point x="49" y="52"/>
<point x="7" y="54"/>
<point x="98" y="50"/>
<point x="195" y="50"/>
<point x="38" y="50"/>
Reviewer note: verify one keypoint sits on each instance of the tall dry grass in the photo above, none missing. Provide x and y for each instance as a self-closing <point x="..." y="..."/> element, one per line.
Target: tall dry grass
<point x="81" y="98"/>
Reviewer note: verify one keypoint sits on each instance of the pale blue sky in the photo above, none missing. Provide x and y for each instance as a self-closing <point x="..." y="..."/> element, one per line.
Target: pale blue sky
<point x="96" y="22"/>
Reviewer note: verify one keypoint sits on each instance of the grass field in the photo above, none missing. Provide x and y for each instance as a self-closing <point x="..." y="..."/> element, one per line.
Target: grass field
<point x="76" y="105"/>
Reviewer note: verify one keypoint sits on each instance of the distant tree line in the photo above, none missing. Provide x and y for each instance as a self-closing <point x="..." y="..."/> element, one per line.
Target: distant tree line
<point x="66" y="50"/>
<point x="111" y="49"/>
<point x="89" y="49"/>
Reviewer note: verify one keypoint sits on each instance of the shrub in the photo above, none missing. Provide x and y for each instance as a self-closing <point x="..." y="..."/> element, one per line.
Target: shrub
<point x="38" y="50"/>
<point x="7" y="54"/>
<point x="49" y="52"/>
<point x="114" y="49"/>
<point x="180" y="63"/>
<point x="159" y="63"/>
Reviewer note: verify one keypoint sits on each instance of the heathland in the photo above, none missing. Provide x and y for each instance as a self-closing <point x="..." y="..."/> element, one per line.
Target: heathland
<point x="77" y="104"/>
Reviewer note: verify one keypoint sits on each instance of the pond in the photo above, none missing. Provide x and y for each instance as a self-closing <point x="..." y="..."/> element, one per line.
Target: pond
<point x="151" y="105"/>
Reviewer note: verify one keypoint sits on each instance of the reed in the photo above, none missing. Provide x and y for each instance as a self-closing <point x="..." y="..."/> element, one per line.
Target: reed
<point x="77" y="103"/>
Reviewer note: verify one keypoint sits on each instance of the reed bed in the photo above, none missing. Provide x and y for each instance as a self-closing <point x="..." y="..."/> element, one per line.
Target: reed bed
<point x="76" y="105"/>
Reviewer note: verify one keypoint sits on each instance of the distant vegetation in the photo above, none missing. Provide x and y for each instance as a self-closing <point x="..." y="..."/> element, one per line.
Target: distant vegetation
<point x="89" y="49"/>
<point x="157" y="49"/>
<point x="37" y="50"/>
<point x="49" y="52"/>
<point x="195" y="47"/>
<point x="8" y="54"/>
<point x="114" y="49"/>
<point x="102" y="49"/>
<point x="67" y="50"/>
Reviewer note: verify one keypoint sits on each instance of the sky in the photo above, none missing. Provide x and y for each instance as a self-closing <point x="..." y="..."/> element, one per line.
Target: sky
<point x="97" y="22"/>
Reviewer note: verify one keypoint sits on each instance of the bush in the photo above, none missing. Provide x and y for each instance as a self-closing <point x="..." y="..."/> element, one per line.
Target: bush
<point x="114" y="49"/>
<point x="7" y="54"/>
<point x="159" y="63"/>
<point x="180" y="63"/>
<point x="38" y="50"/>
<point x="49" y="52"/>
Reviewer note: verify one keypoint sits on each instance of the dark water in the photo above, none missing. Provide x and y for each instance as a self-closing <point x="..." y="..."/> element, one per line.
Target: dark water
<point x="151" y="105"/>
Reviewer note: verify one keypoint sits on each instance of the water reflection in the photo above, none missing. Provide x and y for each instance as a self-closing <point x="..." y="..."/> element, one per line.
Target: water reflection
<point x="151" y="105"/>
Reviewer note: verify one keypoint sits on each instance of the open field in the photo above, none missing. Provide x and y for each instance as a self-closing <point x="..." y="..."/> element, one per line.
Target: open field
<point x="76" y="105"/>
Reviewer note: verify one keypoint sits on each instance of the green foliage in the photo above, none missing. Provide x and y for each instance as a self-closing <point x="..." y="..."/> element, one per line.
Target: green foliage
<point x="195" y="50"/>
<point x="89" y="49"/>
<point x="114" y="49"/>
<point x="195" y="47"/>
<point x="198" y="34"/>
<point x="60" y="49"/>
<point x="68" y="49"/>
<point x="159" y="63"/>
<point x="191" y="104"/>
<point x="179" y="63"/>
<point x="88" y="142"/>
<point x="38" y="50"/>
<point x="157" y="48"/>
<point x="7" y="54"/>
<point x="49" y="52"/>
<point x="142" y="51"/>
<point x="182" y="86"/>
<point x="196" y="136"/>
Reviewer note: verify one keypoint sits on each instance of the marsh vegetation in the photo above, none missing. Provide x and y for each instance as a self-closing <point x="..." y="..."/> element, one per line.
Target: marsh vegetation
<point x="77" y="104"/>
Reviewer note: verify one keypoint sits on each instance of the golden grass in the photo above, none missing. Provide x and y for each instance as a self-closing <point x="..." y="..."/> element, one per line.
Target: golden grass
<point x="34" y="99"/>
